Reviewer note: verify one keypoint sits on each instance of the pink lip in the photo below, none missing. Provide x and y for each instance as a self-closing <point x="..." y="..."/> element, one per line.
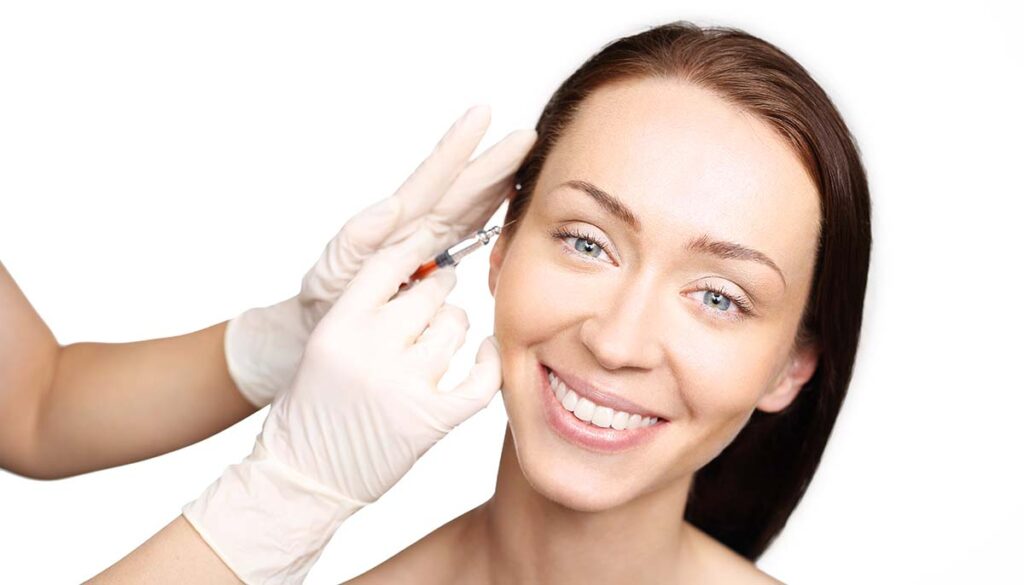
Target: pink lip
<point x="586" y="435"/>
<point x="592" y="393"/>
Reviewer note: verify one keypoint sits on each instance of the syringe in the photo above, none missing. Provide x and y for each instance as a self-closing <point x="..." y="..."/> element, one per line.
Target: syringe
<point x="452" y="255"/>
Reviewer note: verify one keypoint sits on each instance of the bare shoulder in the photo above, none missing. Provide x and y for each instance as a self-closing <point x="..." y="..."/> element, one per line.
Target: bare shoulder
<point x="724" y="565"/>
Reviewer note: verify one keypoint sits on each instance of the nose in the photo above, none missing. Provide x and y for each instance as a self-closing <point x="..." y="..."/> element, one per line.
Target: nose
<point x="625" y="332"/>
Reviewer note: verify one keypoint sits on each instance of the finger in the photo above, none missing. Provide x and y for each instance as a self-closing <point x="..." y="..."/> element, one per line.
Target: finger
<point x="381" y="274"/>
<point x="476" y="193"/>
<point x="410" y="313"/>
<point x="481" y="188"/>
<point x="421" y="189"/>
<point x="432" y="178"/>
<point x="475" y="391"/>
<point x="374" y="227"/>
<point x="359" y="237"/>
<point x="438" y="344"/>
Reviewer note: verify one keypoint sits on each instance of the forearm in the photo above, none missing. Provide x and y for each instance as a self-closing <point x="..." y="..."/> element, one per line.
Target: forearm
<point x="176" y="554"/>
<point x="111" y="404"/>
<point x="87" y="406"/>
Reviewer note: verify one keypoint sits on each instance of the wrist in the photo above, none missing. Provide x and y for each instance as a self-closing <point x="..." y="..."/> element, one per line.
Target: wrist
<point x="267" y="522"/>
<point x="263" y="347"/>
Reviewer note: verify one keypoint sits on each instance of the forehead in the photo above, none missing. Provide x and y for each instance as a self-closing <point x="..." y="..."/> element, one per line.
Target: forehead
<point x="688" y="162"/>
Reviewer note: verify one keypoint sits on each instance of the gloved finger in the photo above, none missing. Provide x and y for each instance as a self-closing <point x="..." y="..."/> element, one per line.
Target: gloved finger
<point x="477" y="192"/>
<point x="420" y="192"/>
<point x="411" y="312"/>
<point x="359" y="237"/>
<point x="380" y="276"/>
<point x="481" y="188"/>
<point x="374" y="227"/>
<point x="434" y="349"/>
<point x="428" y="184"/>
<point x="475" y="391"/>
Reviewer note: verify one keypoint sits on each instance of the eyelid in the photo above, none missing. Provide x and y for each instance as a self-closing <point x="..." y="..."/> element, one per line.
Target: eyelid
<point x="570" y="231"/>
<point x="744" y="307"/>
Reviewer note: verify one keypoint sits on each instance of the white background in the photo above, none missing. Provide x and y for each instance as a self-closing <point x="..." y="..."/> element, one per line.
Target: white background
<point x="164" y="166"/>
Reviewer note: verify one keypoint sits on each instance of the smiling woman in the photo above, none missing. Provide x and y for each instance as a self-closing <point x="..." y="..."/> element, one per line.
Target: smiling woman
<point x="678" y="305"/>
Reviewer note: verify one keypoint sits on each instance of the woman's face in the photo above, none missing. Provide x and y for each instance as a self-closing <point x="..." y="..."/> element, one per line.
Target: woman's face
<point x="691" y="314"/>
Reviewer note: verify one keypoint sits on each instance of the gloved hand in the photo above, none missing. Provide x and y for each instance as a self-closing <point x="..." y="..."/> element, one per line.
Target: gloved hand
<point x="363" y="407"/>
<point x="444" y="195"/>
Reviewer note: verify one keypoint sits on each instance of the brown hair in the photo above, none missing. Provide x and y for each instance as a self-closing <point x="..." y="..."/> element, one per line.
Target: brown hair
<point x="744" y="496"/>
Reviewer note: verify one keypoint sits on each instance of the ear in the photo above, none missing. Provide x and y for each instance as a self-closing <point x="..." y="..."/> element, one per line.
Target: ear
<point x="497" y="258"/>
<point x="797" y="371"/>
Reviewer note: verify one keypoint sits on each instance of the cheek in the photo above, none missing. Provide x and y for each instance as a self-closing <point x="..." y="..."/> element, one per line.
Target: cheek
<point x="522" y="320"/>
<point x="533" y="300"/>
<point x="520" y="312"/>
<point x="724" y="374"/>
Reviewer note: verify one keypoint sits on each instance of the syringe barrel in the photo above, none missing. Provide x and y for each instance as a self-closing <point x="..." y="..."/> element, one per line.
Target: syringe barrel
<point x="460" y="250"/>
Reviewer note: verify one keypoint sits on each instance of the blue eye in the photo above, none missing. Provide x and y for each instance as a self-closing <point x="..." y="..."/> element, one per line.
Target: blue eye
<point x="585" y="245"/>
<point x="717" y="300"/>
<point x="720" y="302"/>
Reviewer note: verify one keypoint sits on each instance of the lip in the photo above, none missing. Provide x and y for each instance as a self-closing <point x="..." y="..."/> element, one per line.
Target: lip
<point x="603" y="397"/>
<point x="586" y="435"/>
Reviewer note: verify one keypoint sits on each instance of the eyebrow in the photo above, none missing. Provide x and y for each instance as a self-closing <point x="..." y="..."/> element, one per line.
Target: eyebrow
<point x="703" y="243"/>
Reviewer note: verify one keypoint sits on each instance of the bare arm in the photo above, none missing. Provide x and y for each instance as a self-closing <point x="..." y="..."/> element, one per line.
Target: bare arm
<point x="88" y="406"/>
<point x="176" y="554"/>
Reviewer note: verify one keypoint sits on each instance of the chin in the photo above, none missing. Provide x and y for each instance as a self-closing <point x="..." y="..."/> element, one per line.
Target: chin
<point x="573" y="492"/>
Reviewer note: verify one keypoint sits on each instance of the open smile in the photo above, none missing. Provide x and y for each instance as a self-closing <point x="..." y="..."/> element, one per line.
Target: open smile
<point x="590" y="425"/>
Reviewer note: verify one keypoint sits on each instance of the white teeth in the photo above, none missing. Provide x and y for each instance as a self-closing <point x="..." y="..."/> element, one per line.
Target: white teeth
<point x="557" y="386"/>
<point x="620" y="420"/>
<point x="601" y="416"/>
<point x="634" y="421"/>
<point x="584" y="409"/>
<point x="569" y="402"/>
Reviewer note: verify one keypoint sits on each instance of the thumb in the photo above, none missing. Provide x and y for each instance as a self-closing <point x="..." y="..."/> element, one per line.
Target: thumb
<point x="476" y="390"/>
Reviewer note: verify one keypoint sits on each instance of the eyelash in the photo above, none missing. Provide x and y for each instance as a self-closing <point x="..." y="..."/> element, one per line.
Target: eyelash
<point x="741" y="302"/>
<point x="569" y="232"/>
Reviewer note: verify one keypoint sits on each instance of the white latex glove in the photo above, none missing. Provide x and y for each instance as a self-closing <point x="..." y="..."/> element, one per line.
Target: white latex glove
<point x="444" y="195"/>
<point x="363" y="407"/>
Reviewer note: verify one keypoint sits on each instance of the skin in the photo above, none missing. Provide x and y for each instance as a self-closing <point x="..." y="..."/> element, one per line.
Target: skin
<point x="67" y="410"/>
<point x="635" y="316"/>
<point x="175" y="554"/>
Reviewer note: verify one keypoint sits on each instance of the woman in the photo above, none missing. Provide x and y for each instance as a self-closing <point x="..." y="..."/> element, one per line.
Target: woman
<point x="690" y="254"/>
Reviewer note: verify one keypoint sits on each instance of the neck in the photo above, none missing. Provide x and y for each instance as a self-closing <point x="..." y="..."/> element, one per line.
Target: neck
<point x="523" y="537"/>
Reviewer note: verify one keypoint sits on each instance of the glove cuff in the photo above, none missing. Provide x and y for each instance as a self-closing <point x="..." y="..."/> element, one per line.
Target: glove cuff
<point x="263" y="348"/>
<point x="267" y="522"/>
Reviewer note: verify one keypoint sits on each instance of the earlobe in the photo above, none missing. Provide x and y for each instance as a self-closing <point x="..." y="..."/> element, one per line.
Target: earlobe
<point x="496" y="259"/>
<point x="799" y="369"/>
